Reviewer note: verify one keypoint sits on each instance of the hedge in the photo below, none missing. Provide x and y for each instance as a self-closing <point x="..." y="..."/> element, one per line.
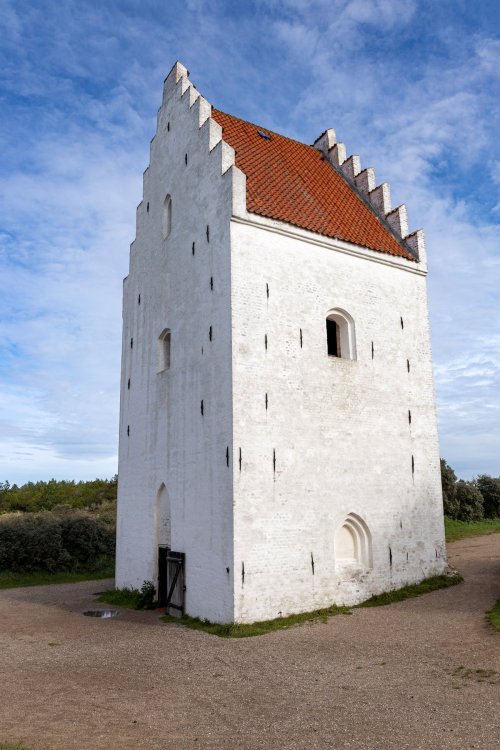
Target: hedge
<point x="54" y="542"/>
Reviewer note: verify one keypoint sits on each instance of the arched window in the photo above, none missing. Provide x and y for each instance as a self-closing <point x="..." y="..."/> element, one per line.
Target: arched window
<point x="166" y="220"/>
<point x="163" y="362"/>
<point x="353" y="545"/>
<point x="340" y="335"/>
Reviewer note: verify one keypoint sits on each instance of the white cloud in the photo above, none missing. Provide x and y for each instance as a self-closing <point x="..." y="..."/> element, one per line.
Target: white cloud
<point x="385" y="13"/>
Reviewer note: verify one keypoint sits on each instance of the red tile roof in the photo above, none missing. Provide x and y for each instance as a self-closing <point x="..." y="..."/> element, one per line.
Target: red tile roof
<point x="292" y="182"/>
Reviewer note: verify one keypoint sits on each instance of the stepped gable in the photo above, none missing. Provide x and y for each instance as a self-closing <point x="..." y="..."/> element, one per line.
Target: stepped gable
<point x="299" y="184"/>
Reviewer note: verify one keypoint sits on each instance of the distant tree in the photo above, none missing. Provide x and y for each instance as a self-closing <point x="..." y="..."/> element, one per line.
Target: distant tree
<point x="4" y="493"/>
<point x="470" y="501"/>
<point x="489" y="488"/>
<point x="449" y="483"/>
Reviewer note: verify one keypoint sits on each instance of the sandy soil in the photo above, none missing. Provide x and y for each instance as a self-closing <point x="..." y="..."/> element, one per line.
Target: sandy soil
<point x="384" y="678"/>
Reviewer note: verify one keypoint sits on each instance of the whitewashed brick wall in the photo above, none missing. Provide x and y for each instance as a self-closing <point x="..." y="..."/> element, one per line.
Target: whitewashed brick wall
<point x="339" y="428"/>
<point x="170" y="441"/>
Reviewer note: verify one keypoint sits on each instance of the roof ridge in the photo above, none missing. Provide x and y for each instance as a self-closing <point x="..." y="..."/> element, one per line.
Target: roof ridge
<point x="263" y="127"/>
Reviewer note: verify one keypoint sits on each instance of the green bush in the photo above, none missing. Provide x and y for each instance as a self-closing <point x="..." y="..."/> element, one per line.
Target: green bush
<point x="451" y="505"/>
<point x="54" y="542"/>
<point x="146" y="598"/>
<point x="470" y="501"/>
<point x="489" y="488"/>
<point x="32" y="543"/>
<point x="87" y="539"/>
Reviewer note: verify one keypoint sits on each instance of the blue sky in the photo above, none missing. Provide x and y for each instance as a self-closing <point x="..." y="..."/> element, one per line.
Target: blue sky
<point x="413" y="86"/>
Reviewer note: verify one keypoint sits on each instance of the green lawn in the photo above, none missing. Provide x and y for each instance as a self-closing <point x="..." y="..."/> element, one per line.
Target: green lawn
<point x="10" y="580"/>
<point x="462" y="529"/>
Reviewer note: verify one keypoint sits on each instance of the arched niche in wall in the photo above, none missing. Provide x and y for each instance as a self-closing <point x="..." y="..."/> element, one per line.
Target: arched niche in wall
<point x="166" y="217"/>
<point x="163" y="523"/>
<point x="340" y="334"/>
<point x="353" y="546"/>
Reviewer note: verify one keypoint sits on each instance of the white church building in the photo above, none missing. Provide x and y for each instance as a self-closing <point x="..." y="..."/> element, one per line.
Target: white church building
<point x="278" y="438"/>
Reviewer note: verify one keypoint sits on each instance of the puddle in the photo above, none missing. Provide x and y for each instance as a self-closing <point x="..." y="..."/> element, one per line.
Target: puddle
<point x="106" y="614"/>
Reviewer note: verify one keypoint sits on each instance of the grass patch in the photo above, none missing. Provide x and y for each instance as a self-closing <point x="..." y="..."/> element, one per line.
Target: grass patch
<point x="128" y="598"/>
<point x="494" y="615"/>
<point x="11" y="580"/>
<point x="416" y="589"/>
<point x="456" y="530"/>
<point x="233" y="630"/>
<point x="490" y="676"/>
<point x="8" y="746"/>
<point x="321" y="615"/>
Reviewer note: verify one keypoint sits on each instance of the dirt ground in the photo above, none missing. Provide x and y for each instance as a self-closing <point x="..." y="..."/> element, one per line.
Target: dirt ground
<point x="424" y="673"/>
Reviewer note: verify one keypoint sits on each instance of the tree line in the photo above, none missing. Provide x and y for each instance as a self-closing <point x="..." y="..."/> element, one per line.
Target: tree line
<point x="464" y="501"/>
<point x="469" y="501"/>
<point x="67" y="525"/>
<point x="37" y="496"/>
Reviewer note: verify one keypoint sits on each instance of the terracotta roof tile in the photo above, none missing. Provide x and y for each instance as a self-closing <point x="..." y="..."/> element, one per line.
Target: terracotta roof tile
<point x="292" y="182"/>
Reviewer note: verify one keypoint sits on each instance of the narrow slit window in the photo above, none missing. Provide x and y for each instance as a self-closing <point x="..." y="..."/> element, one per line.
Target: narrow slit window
<point x="167" y="217"/>
<point x="163" y="362"/>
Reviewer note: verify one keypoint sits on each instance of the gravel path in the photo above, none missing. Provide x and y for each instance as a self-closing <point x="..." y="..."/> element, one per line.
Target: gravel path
<point x="421" y="674"/>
